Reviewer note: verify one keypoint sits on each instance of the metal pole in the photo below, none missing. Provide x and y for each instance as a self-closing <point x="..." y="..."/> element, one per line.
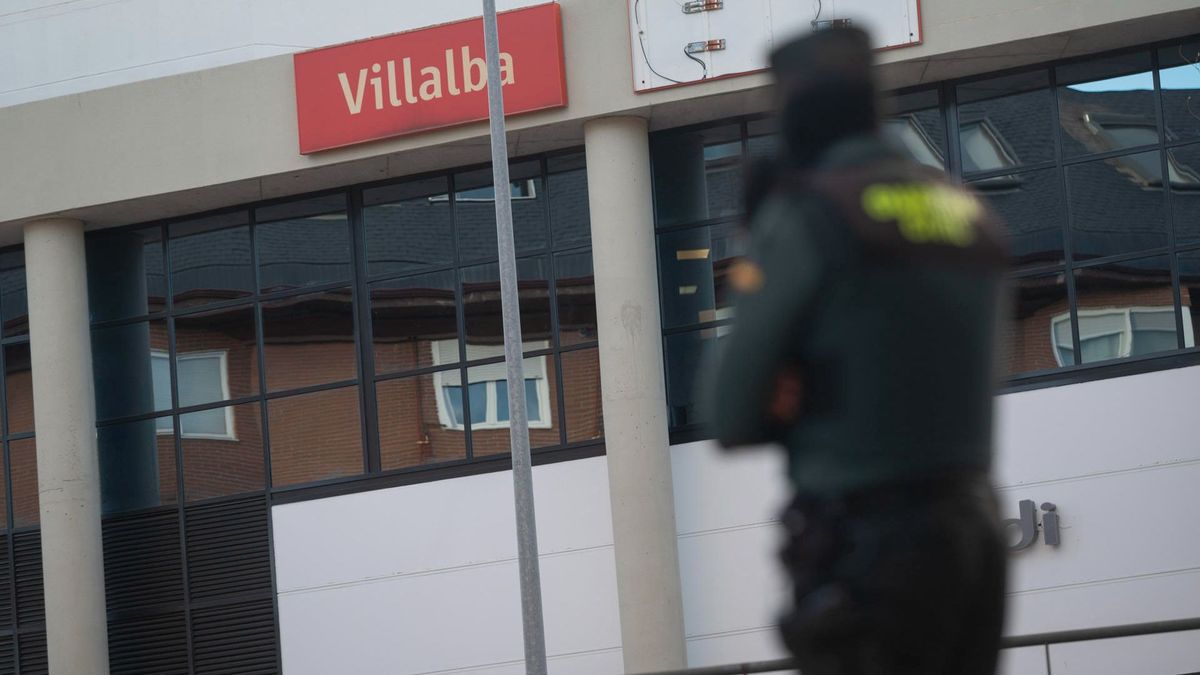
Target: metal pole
<point x="527" y="551"/>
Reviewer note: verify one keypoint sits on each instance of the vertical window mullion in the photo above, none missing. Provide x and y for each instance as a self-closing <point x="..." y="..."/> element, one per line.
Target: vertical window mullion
<point x="1168" y="200"/>
<point x="364" y="340"/>
<point x="1068" y="253"/>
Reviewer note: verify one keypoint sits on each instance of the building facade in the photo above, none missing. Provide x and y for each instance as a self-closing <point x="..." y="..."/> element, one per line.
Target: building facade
<point x="254" y="412"/>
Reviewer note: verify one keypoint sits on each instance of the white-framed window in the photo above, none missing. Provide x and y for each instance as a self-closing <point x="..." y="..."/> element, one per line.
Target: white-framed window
<point x="518" y="189"/>
<point x="487" y="388"/>
<point x="203" y="378"/>
<point x="1116" y="333"/>
<point x="906" y="132"/>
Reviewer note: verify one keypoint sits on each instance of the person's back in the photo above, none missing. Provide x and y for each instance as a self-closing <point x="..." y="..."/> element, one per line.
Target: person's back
<point x="864" y="344"/>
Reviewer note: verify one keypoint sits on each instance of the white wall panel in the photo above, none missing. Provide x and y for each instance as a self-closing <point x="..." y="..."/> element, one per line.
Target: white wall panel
<point x="1022" y="661"/>
<point x="423" y="578"/>
<point x="1165" y="654"/>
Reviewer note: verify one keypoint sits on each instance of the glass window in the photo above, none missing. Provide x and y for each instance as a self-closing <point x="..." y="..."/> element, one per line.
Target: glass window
<point x="688" y="356"/>
<point x="14" y="303"/>
<point x="315" y="436"/>
<point x="1189" y="295"/>
<point x="914" y="123"/>
<point x="1031" y="206"/>
<point x="697" y="174"/>
<point x="1027" y="343"/>
<point x="23" y="474"/>
<point x="487" y="392"/>
<point x="309" y="340"/>
<point x="481" y="301"/>
<point x="125" y="273"/>
<point x="584" y="410"/>
<point x="18" y="385"/>
<point x="221" y="465"/>
<point x="475" y="211"/>
<point x="1006" y="121"/>
<point x="1184" y="166"/>
<point x="1115" y="206"/>
<point x="137" y="465"/>
<point x="570" y="215"/>
<point x="1107" y="104"/>
<point x="575" y="291"/>
<point x="203" y="378"/>
<point x="411" y="429"/>
<point x="123" y="372"/>
<point x="694" y="269"/>
<point x="408" y="316"/>
<point x="228" y="331"/>
<point x="1125" y="309"/>
<point x="211" y="260"/>
<point x="408" y="226"/>
<point x="1179" y="78"/>
<point x="303" y="243"/>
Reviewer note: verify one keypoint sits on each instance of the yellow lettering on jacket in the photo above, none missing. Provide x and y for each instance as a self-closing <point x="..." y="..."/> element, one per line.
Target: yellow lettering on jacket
<point x="924" y="213"/>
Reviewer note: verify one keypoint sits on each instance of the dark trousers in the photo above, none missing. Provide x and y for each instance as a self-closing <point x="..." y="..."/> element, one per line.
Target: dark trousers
<point x="897" y="581"/>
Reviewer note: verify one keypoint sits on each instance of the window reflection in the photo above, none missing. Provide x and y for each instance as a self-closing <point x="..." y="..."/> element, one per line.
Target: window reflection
<point x="481" y="302"/>
<point x="915" y="124"/>
<point x="408" y="316"/>
<point x="582" y="395"/>
<point x="694" y="268"/>
<point x="210" y="259"/>
<point x="1006" y="121"/>
<point x="222" y="451"/>
<point x="411" y="427"/>
<point x="408" y="227"/>
<point x="1179" y="78"/>
<point x="687" y="355"/>
<point x="1107" y="104"/>
<point x="486" y="413"/>
<point x="475" y="211"/>
<point x="1027" y="342"/>
<point x="315" y="436"/>
<point x="22" y="471"/>
<point x="125" y="273"/>
<point x="14" y="302"/>
<point x="570" y="215"/>
<point x="137" y="465"/>
<point x="1031" y="206"/>
<point x="1115" y="208"/>
<point x="309" y="340"/>
<point x="697" y="175"/>
<point x="18" y="388"/>
<point x="123" y="371"/>
<point x="1184" y="165"/>
<point x="1125" y="309"/>
<point x="575" y="291"/>
<point x="303" y="243"/>
<point x="216" y="356"/>
<point x="1189" y="295"/>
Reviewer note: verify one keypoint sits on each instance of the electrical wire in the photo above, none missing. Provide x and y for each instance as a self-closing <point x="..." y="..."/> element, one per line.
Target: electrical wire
<point x="637" y="18"/>
<point x="1187" y="103"/>
<point x="820" y="7"/>
<point x="700" y="61"/>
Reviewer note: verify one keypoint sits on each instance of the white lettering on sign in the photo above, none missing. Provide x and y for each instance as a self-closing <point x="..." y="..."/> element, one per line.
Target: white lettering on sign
<point x="434" y="84"/>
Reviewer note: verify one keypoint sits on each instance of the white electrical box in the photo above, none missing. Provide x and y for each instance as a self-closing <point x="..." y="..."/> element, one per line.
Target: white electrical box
<point x="685" y="41"/>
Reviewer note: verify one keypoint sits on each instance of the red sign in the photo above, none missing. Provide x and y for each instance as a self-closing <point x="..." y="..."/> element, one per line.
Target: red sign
<point x="425" y="79"/>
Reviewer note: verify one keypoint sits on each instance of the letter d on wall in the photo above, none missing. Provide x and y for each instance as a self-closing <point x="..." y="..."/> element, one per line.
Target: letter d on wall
<point x="1028" y="524"/>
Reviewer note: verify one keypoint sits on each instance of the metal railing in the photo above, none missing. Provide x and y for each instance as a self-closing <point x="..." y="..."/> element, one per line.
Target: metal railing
<point x="1128" y="630"/>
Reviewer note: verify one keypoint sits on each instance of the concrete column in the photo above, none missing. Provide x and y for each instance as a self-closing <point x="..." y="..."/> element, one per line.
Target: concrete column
<point x="635" y="407"/>
<point x="68" y="469"/>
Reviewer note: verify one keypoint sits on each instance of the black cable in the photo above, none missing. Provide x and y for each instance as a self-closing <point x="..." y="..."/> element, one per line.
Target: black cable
<point x="642" y="44"/>
<point x="700" y="61"/>
<point x="820" y="7"/>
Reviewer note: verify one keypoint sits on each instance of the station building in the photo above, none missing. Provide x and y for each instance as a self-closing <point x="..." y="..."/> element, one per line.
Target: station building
<point x="254" y="413"/>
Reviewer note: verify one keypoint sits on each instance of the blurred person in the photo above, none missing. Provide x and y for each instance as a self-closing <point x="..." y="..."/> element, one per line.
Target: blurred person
<point x="863" y="343"/>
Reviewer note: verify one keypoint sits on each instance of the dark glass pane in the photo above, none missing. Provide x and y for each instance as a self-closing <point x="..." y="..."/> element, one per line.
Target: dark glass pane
<point x="309" y="339"/>
<point x="131" y="370"/>
<point x="575" y="289"/>
<point x="1183" y="165"/>
<point x="415" y="426"/>
<point x="1189" y="295"/>
<point x="13" y="298"/>
<point x="581" y="393"/>
<point x="216" y="355"/>
<point x="414" y="322"/>
<point x="697" y="174"/>
<point x="694" y="269"/>
<point x="914" y="123"/>
<point x="1116" y="205"/>
<point x="1107" y="104"/>
<point x="570" y="215"/>
<point x="488" y="391"/>
<point x="475" y="211"/>
<point x="18" y="388"/>
<point x="408" y="226"/>
<point x="1179" y="78"/>
<point x="210" y="259"/>
<point x="687" y="355"/>
<point x="3" y="497"/>
<point x="222" y="451"/>
<point x="23" y="473"/>
<point x="481" y="299"/>
<point x="137" y="465"/>
<point x="1038" y="337"/>
<point x="125" y="273"/>
<point x="303" y="243"/>
<point x="1006" y="122"/>
<point x="1125" y="309"/>
<point x="1031" y="206"/>
<point x="315" y="436"/>
<point x="764" y="141"/>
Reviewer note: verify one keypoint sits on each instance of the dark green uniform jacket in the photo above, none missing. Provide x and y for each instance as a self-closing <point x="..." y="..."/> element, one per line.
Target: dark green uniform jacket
<point x="879" y="282"/>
